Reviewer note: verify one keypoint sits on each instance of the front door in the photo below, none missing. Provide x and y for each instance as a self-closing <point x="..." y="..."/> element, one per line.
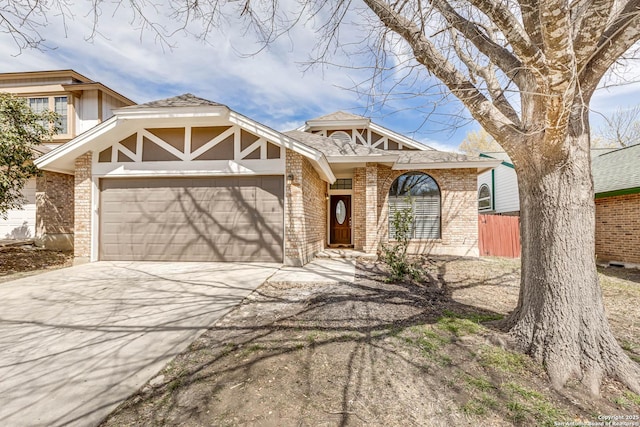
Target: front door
<point x="340" y="220"/>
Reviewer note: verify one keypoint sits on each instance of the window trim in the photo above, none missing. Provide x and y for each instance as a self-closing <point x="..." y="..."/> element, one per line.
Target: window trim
<point x="438" y="217"/>
<point x="51" y="107"/>
<point x="488" y="198"/>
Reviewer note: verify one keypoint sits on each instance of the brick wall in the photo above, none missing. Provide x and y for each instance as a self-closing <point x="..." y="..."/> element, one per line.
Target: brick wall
<point x="54" y="210"/>
<point x="359" y="208"/>
<point x="82" y="212"/>
<point x="305" y="211"/>
<point x="459" y="211"/>
<point x="618" y="228"/>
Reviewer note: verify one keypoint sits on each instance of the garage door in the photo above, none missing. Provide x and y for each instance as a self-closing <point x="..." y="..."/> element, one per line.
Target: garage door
<point x="192" y="219"/>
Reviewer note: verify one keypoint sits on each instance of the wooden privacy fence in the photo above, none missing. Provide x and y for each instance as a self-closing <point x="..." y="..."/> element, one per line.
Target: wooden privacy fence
<point x="499" y="235"/>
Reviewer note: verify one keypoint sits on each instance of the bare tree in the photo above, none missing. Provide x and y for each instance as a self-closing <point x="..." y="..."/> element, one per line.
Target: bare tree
<point x="622" y="128"/>
<point x="477" y="142"/>
<point x="526" y="71"/>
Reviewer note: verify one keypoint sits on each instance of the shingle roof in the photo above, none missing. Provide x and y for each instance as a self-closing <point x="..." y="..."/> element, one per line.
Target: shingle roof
<point x="185" y="100"/>
<point x="434" y="156"/>
<point x="330" y="147"/>
<point x="339" y="116"/>
<point x="617" y="170"/>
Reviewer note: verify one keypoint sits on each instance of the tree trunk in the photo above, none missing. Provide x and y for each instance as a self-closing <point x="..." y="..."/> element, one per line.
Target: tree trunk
<point x="560" y="318"/>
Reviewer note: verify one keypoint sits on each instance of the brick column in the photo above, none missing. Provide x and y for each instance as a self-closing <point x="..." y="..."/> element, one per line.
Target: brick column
<point x="371" y="204"/>
<point x="54" y="211"/>
<point x="359" y="207"/>
<point x="82" y="212"/>
<point x="294" y="211"/>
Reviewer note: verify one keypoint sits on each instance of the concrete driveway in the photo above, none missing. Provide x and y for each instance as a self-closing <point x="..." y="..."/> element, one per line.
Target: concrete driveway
<point x="76" y="342"/>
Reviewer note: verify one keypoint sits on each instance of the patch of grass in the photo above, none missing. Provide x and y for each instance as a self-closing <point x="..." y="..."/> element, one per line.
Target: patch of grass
<point x="458" y="327"/>
<point x="547" y="414"/>
<point x="428" y="341"/>
<point x="501" y="359"/>
<point x="621" y="401"/>
<point x="517" y="411"/>
<point x="473" y="407"/>
<point x="479" y="383"/>
<point x="489" y="401"/>
<point x="633" y="397"/>
<point x="524" y="392"/>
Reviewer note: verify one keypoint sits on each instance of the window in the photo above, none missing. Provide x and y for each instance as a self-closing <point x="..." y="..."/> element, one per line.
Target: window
<point x="484" y="198"/>
<point x="60" y="107"/>
<point x="419" y="192"/>
<point x="341" y="184"/>
<point x="341" y="136"/>
<point x="59" y="104"/>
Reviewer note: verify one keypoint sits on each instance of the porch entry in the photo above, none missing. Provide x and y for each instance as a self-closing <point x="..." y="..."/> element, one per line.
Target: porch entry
<point x="340" y="220"/>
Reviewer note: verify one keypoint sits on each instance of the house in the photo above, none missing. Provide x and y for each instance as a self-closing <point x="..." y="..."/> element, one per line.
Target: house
<point x="498" y="187"/>
<point x="81" y="104"/>
<point x="187" y="179"/>
<point x="616" y="178"/>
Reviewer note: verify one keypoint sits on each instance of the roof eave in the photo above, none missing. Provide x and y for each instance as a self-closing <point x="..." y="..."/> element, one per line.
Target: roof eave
<point x="337" y="123"/>
<point x="99" y="86"/>
<point x="479" y="165"/>
<point x="318" y="158"/>
<point x="363" y="159"/>
<point x="47" y="161"/>
<point x="171" y="112"/>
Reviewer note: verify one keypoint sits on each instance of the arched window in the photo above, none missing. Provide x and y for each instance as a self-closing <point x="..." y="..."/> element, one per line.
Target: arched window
<point x="420" y="192"/>
<point x="484" y="198"/>
<point x="341" y="136"/>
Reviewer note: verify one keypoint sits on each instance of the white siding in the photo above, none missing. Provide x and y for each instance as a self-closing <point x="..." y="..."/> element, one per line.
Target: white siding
<point x="87" y="111"/>
<point x="20" y="223"/>
<point x="506" y="190"/>
<point x="109" y="103"/>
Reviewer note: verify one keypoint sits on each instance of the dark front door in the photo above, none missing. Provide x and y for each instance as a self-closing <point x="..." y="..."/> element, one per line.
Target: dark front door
<point x="340" y="220"/>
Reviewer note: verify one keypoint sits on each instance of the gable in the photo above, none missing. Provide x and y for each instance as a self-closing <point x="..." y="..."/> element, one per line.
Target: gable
<point x="366" y="137"/>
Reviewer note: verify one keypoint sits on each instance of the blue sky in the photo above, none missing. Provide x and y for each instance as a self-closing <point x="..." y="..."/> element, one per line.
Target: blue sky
<point x="272" y="86"/>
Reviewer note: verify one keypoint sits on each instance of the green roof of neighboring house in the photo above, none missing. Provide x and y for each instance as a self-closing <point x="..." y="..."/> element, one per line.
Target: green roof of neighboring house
<point x="617" y="172"/>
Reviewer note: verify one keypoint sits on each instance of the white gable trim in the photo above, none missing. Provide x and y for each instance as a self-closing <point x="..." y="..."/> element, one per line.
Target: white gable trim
<point x="408" y="142"/>
<point x="60" y="159"/>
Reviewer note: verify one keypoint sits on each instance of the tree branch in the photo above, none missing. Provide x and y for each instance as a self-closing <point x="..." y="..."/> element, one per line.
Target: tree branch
<point x="529" y="54"/>
<point x="497" y="54"/>
<point x="481" y="108"/>
<point x="590" y="21"/>
<point x="619" y="37"/>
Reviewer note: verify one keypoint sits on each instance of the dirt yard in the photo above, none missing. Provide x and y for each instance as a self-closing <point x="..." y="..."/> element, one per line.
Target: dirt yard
<point x="373" y="353"/>
<point x="22" y="261"/>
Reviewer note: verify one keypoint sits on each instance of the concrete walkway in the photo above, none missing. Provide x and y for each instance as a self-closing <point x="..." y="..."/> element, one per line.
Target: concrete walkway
<point x="320" y="270"/>
<point x="76" y="342"/>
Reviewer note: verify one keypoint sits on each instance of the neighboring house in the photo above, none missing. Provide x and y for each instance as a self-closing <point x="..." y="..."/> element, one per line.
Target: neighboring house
<point x="616" y="178"/>
<point x="498" y="187"/>
<point x="81" y="104"/>
<point x="187" y="179"/>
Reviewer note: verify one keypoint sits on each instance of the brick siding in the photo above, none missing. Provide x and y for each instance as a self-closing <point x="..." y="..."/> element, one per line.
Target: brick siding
<point x="305" y="211"/>
<point x="459" y="211"/>
<point x="359" y="209"/>
<point x="82" y="213"/>
<point x="618" y="228"/>
<point x="54" y="210"/>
